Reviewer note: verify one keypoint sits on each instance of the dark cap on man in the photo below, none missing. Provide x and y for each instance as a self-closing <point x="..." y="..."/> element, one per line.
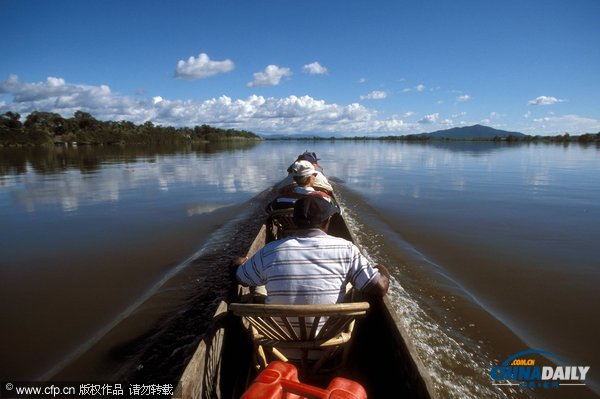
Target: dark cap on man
<point x="312" y="211"/>
<point x="309" y="156"/>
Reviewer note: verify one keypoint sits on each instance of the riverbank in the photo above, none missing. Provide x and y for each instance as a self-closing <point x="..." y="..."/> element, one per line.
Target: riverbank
<point x="47" y="128"/>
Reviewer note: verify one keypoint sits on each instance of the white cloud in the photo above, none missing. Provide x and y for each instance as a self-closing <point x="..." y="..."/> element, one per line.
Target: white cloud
<point x="55" y="94"/>
<point x="10" y="84"/>
<point x="291" y="114"/>
<point x="544" y="100"/>
<point x="201" y="67"/>
<point x="420" y="88"/>
<point x="463" y="98"/>
<point x="429" y="119"/>
<point x="375" y="95"/>
<point x="315" y="68"/>
<point x="565" y="124"/>
<point x="270" y="77"/>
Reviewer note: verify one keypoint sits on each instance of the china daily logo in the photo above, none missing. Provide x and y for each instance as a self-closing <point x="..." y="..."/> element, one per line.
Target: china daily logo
<point x="526" y="369"/>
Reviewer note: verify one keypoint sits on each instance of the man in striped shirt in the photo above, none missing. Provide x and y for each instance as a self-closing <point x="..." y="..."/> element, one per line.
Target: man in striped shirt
<point x="311" y="267"/>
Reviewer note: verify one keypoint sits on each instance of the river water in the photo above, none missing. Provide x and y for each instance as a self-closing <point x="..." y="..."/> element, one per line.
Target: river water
<point x="493" y="247"/>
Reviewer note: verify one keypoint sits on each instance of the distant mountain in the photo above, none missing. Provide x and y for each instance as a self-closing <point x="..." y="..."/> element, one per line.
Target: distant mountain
<point x="471" y="132"/>
<point x="456" y="133"/>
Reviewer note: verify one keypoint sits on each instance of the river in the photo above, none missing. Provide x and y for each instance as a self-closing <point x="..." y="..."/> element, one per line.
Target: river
<point x="493" y="247"/>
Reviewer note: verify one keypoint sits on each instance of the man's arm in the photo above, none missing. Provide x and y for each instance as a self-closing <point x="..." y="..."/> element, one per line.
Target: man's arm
<point x="379" y="284"/>
<point x="233" y="266"/>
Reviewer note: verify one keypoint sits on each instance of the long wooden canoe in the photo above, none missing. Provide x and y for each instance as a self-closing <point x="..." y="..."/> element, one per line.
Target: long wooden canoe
<point x="382" y="357"/>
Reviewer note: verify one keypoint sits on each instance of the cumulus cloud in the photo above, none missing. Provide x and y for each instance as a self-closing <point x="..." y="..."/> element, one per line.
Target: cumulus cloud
<point x="463" y="98"/>
<point x="315" y="68"/>
<point x="374" y="95"/>
<point x="544" y="100"/>
<point x="271" y="76"/>
<point x="58" y="95"/>
<point x="291" y="114"/>
<point x="429" y="119"/>
<point x="419" y="88"/>
<point x="570" y="123"/>
<point x="12" y="83"/>
<point x="201" y="67"/>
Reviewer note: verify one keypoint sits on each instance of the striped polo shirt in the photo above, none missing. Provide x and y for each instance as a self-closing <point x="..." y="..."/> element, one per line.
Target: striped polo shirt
<point x="310" y="267"/>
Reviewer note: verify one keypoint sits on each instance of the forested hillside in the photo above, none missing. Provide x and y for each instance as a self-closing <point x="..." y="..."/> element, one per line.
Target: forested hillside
<point x="40" y="128"/>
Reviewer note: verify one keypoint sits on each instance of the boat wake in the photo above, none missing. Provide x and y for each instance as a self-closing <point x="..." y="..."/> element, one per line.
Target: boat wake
<point x="187" y="288"/>
<point x="458" y="365"/>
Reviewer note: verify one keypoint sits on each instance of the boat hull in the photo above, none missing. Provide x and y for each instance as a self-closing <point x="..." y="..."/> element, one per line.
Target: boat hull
<point x="381" y="357"/>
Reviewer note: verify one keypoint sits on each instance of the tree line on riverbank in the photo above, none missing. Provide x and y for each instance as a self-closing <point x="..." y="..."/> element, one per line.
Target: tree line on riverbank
<point x="48" y="128"/>
<point x="564" y="138"/>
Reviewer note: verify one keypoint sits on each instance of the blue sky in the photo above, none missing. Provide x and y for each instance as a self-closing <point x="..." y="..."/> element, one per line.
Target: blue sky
<point x="319" y="67"/>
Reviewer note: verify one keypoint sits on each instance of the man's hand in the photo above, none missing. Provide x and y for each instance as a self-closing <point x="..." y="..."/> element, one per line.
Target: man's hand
<point x="383" y="270"/>
<point x="239" y="260"/>
<point x="236" y="262"/>
<point x="379" y="286"/>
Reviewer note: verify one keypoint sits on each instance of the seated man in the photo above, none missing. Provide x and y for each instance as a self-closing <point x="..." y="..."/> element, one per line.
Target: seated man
<point x="321" y="183"/>
<point x="310" y="157"/>
<point x="311" y="267"/>
<point x="304" y="175"/>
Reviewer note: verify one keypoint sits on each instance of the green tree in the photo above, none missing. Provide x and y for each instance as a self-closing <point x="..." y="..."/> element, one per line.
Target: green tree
<point x="85" y="121"/>
<point x="11" y="128"/>
<point x="50" y="122"/>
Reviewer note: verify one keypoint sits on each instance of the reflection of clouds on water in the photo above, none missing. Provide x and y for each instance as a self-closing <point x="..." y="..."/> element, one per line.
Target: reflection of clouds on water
<point x="401" y="168"/>
<point x="536" y="170"/>
<point x="538" y="178"/>
<point x="407" y="168"/>
<point x="398" y="169"/>
<point x="66" y="189"/>
<point x="423" y="171"/>
<point x="199" y="209"/>
<point x="210" y="175"/>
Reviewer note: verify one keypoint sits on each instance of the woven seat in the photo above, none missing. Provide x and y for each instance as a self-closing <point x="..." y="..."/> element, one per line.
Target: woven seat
<point x="305" y="329"/>
<point x="281" y="223"/>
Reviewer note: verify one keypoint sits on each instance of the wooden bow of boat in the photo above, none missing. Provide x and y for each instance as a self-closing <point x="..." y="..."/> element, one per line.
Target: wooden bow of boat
<point x="381" y="358"/>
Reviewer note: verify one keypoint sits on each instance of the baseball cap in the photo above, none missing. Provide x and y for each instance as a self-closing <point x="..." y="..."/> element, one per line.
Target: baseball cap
<point x="309" y="156"/>
<point x="302" y="168"/>
<point x="312" y="210"/>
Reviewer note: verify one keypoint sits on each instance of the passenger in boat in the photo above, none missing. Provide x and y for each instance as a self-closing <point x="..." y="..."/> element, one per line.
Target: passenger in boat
<point x="304" y="175"/>
<point x="321" y="183"/>
<point x="310" y="157"/>
<point x="311" y="267"/>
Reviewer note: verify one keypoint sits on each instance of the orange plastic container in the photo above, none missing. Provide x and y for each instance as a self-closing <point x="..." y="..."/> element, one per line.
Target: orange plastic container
<point x="280" y="380"/>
